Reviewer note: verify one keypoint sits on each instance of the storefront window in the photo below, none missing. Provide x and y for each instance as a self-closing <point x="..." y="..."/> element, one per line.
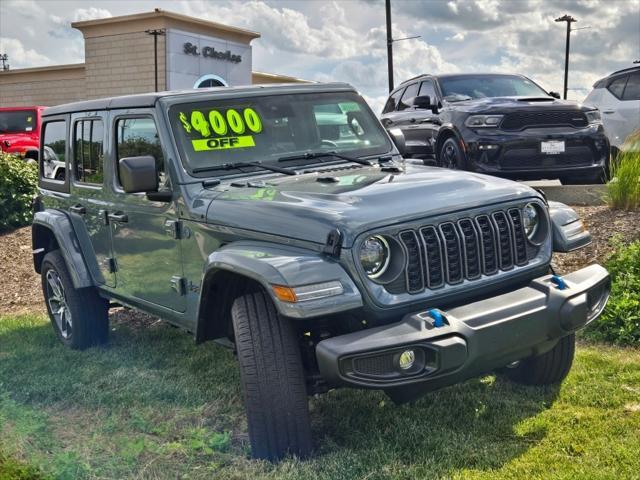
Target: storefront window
<point x="208" y="81"/>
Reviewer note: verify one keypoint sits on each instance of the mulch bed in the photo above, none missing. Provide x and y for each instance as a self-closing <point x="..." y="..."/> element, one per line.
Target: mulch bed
<point x="22" y="293"/>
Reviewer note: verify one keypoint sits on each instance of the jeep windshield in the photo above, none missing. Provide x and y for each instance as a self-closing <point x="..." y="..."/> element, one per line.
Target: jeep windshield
<point x="17" y="121"/>
<point x="467" y="87"/>
<point x="221" y="133"/>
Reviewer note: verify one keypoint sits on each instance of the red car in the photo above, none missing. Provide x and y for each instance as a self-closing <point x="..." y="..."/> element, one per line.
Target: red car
<point x="20" y="130"/>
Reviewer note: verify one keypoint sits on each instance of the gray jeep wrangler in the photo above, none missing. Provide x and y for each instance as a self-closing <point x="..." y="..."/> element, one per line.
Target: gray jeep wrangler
<point x="284" y="222"/>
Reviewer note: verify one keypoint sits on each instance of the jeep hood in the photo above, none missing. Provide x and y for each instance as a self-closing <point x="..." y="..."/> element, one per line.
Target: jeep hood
<point x="354" y="200"/>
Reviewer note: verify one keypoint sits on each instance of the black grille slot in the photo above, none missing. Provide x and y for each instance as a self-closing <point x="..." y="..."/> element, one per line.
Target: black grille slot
<point x="415" y="281"/>
<point x="471" y="245"/>
<point x="433" y="257"/>
<point x="519" y="239"/>
<point x="522" y="120"/>
<point x="448" y="253"/>
<point x="488" y="240"/>
<point x="452" y="254"/>
<point x="505" y="248"/>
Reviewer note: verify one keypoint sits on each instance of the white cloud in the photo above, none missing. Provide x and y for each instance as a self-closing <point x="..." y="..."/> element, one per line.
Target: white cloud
<point x="20" y="56"/>
<point x="92" y="13"/>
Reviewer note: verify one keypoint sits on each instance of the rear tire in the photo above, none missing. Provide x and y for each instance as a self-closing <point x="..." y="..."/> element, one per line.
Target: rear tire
<point x="80" y="317"/>
<point x="272" y="379"/>
<point x="546" y="369"/>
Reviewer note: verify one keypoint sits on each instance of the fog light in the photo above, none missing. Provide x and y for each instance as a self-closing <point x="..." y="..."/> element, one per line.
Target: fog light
<point x="407" y="359"/>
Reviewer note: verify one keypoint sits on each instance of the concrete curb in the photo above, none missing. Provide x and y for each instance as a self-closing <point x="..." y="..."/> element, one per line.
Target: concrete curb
<point x="583" y="195"/>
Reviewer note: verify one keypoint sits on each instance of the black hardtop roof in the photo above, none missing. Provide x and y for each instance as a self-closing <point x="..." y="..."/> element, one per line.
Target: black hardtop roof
<point x="149" y="99"/>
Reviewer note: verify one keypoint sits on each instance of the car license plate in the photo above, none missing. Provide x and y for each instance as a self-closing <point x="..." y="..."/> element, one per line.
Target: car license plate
<point x="552" y="147"/>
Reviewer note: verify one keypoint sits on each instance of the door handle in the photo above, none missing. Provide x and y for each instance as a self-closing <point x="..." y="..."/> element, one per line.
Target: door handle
<point x="609" y="111"/>
<point x="118" y="217"/>
<point x="412" y="120"/>
<point x="79" y="209"/>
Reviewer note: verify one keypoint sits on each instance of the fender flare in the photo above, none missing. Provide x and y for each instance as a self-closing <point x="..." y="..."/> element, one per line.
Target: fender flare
<point x="59" y="224"/>
<point x="273" y="264"/>
<point x="567" y="229"/>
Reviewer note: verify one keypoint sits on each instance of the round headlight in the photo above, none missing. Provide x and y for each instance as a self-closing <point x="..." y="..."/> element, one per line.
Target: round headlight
<point x="530" y="220"/>
<point x="374" y="256"/>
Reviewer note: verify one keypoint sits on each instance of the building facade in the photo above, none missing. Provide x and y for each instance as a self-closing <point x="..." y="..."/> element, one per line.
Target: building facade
<point x="130" y="54"/>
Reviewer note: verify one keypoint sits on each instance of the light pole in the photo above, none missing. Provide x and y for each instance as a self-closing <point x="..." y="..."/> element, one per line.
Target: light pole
<point x="569" y="19"/>
<point x="387" y="6"/>
<point x="4" y="58"/>
<point x="390" y="40"/>
<point x="155" y="33"/>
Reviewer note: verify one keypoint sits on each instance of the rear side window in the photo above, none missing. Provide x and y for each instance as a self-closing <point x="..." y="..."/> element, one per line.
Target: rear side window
<point x="88" y="151"/>
<point x="616" y="86"/>
<point x="392" y="102"/>
<point x="54" y="147"/>
<point x="409" y="94"/>
<point x="632" y="90"/>
<point x="138" y="137"/>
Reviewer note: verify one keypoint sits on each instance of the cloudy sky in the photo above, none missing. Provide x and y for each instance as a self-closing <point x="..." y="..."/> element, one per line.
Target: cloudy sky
<point x="345" y="39"/>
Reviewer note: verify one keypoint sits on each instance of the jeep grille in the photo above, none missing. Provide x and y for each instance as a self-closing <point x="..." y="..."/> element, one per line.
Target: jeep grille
<point x="450" y="252"/>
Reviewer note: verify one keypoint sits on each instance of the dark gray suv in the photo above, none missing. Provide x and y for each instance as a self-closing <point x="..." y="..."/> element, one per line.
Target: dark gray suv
<point x="284" y="220"/>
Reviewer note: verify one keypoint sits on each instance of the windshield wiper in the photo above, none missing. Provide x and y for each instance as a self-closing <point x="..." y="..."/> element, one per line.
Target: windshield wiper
<point x="233" y="166"/>
<point x="318" y="155"/>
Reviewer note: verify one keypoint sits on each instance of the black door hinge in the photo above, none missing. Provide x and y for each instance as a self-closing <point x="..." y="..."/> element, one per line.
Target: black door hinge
<point x="112" y="265"/>
<point x="333" y="245"/>
<point x="178" y="284"/>
<point x="173" y="228"/>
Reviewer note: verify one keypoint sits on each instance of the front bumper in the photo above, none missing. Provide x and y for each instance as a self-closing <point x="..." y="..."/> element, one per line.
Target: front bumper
<point x="474" y="338"/>
<point x="518" y="154"/>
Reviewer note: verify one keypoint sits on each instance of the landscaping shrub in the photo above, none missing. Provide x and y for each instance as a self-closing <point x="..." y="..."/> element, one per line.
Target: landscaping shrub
<point x="623" y="191"/>
<point x="18" y="182"/>
<point x="620" y="322"/>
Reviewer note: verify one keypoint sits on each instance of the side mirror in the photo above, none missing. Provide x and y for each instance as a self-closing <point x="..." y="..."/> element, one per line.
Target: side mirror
<point x="555" y="95"/>
<point x="138" y="174"/>
<point x="422" y="101"/>
<point x="398" y="140"/>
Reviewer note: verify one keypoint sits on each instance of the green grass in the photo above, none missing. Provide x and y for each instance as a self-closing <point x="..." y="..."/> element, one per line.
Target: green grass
<point x="153" y="405"/>
<point x="623" y="191"/>
<point x="620" y="321"/>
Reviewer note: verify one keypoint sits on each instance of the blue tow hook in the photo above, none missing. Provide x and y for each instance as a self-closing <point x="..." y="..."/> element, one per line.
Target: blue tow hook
<point x="437" y="318"/>
<point x="559" y="281"/>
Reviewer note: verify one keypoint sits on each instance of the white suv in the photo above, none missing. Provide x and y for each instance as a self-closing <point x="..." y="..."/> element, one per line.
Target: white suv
<point x="618" y="99"/>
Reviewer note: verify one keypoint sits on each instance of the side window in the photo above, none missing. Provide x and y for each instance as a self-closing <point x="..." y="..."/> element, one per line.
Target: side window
<point x="88" y="140"/>
<point x="409" y="94"/>
<point x="617" y="86"/>
<point x="137" y="137"/>
<point x="392" y="102"/>
<point x="54" y="147"/>
<point x="426" y="88"/>
<point x="632" y="90"/>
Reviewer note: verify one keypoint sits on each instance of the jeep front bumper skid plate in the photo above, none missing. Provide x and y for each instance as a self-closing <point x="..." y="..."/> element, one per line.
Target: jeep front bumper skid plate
<point x="472" y="338"/>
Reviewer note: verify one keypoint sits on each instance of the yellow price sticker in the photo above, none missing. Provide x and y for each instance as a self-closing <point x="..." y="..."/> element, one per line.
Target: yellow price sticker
<point x="223" y="143"/>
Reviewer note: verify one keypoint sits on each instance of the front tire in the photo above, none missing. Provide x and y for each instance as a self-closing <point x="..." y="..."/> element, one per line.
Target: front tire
<point x="546" y="369"/>
<point x="451" y="155"/>
<point x="272" y="379"/>
<point x="79" y="317"/>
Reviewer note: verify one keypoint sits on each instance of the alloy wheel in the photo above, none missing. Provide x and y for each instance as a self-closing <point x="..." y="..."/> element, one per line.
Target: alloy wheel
<point x="58" y="306"/>
<point x="450" y="156"/>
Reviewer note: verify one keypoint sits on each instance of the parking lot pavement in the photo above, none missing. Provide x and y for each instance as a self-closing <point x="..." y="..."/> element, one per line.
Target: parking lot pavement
<point x="543" y="183"/>
<point x="587" y="195"/>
